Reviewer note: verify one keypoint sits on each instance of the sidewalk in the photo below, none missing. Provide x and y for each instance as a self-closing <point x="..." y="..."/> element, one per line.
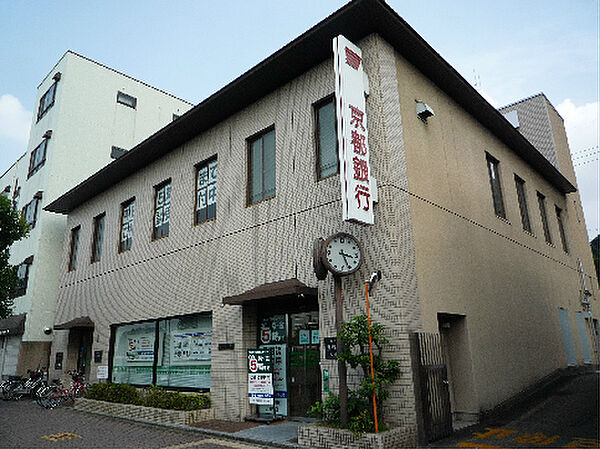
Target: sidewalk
<point x="279" y="431"/>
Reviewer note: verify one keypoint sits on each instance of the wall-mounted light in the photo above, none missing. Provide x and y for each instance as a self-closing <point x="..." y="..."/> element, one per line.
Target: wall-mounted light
<point x="424" y="111"/>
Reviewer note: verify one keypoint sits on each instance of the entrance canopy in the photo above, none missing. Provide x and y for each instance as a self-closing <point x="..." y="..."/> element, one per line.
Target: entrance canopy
<point x="279" y="289"/>
<point x="13" y="325"/>
<point x="80" y="322"/>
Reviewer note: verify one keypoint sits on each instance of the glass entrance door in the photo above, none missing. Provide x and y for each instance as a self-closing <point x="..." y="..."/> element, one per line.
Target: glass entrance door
<point x="304" y="375"/>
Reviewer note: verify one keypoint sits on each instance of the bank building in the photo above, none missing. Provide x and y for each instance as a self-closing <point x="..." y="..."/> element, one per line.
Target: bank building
<point x="198" y="244"/>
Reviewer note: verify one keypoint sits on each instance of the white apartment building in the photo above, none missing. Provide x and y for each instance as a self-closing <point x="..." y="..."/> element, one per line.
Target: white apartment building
<point x="86" y="114"/>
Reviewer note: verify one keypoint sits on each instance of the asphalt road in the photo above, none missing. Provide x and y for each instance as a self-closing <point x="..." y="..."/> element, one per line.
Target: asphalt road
<point x="566" y="417"/>
<point x="24" y="424"/>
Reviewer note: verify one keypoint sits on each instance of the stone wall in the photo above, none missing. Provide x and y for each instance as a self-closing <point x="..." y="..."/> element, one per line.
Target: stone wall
<point x="158" y="415"/>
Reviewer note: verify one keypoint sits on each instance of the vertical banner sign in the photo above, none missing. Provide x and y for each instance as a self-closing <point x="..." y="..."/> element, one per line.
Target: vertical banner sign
<point x="279" y="381"/>
<point x="352" y="132"/>
<point x="260" y="376"/>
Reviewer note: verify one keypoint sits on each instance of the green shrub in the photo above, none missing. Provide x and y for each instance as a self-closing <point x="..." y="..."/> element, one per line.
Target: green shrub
<point x="120" y="393"/>
<point x="150" y="397"/>
<point x="159" y="398"/>
<point x="355" y="336"/>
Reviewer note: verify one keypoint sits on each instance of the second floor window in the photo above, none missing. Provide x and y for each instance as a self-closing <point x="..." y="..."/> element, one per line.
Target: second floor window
<point x="561" y="228"/>
<point x="127" y="210"/>
<point x="73" y="248"/>
<point x="520" y="185"/>
<point x="47" y="100"/>
<point x="30" y="210"/>
<point x="326" y="137"/>
<point x="206" y="191"/>
<point x="97" y="237"/>
<point x="544" y="216"/>
<point x="38" y="157"/>
<point x="261" y="167"/>
<point x="162" y="210"/>
<point x="22" y="277"/>
<point x="494" y="175"/>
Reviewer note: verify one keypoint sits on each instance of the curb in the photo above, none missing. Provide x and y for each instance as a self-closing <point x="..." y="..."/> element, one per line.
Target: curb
<point x="214" y="433"/>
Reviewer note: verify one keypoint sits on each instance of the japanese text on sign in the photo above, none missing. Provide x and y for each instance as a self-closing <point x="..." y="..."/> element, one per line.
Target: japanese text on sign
<point x="352" y="132"/>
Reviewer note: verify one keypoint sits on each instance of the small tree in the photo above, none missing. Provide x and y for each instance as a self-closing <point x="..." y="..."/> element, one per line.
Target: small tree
<point x="12" y="228"/>
<point x="355" y="336"/>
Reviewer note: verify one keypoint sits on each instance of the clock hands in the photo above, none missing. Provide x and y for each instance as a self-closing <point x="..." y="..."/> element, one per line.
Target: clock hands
<point x="344" y="255"/>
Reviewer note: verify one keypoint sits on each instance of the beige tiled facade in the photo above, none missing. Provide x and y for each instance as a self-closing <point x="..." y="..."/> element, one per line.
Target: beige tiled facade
<point x="436" y="239"/>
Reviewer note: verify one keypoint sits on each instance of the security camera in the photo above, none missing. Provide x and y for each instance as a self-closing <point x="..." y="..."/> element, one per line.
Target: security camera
<point x="47" y="330"/>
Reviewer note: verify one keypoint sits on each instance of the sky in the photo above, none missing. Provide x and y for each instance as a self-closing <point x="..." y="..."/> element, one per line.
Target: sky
<point x="508" y="50"/>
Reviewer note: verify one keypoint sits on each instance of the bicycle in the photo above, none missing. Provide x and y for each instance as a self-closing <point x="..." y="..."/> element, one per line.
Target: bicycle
<point x="17" y="387"/>
<point x="55" y="394"/>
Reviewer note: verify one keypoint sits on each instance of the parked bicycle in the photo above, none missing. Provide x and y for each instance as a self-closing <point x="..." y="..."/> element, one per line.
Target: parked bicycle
<point x="17" y="387"/>
<point x="55" y="394"/>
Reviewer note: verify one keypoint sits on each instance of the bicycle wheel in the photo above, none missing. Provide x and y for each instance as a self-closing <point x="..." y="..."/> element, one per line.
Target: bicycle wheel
<point x="41" y="394"/>
<point x="52" y="397"/>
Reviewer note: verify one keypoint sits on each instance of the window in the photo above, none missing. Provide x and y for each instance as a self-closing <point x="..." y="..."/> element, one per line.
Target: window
<point x="520" y="184"/>
<point x="206" y="191"/>
<point x="6" y="192"/>
<point x="326" y="137"/>
<point x="16" y="194"/>
<point x="73" y="248"/>
<point x="38" y="157"/>
<point x="261" y="167"/>
<point x="97" y="237"/>
<point x="542" y="203"/>
<point x="23" y="277"/>
<point x="561" y="229"/>
<point x="127" y="210"/>
<point x="175" y="117"/>
<point x="47" y="100"/>
<point x="30" y="210"/>
<point x="496" y="188"/>
<point x="170" y="352"/>
<point x="162" y="210"/>
<point x="127" y="100"/>
<point x="116" y="152"/>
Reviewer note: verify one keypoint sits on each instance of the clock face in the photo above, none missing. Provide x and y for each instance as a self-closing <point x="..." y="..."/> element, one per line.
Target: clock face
<point x="342" y="254"/>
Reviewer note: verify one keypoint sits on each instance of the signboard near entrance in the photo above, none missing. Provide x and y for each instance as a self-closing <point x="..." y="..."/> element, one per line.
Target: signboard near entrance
<point x="260" y="376"/>
<point x="279" y="382"/>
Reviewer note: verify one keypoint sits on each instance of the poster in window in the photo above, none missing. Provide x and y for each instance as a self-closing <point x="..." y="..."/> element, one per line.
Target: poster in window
<point x="203" y="177"/>
<point x="190" y="346"/>
<point x="166" y="212"/>
<point x="212" y="194"/>
<point x="304" y="337"/>
<point x="201" y="199"/>
<point x="273" y="329"/>
<point x="140" y="349"/>
<point x="212" y="167"/>
<point x="314" y="337"/>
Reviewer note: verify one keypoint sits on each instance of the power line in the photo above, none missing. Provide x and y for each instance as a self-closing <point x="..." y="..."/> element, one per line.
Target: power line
<point x="585" y="150"/>
<point x="586" y="162"/>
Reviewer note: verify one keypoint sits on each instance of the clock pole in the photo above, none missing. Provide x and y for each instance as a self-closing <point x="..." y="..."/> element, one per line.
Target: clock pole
<point x="339" y="319"/>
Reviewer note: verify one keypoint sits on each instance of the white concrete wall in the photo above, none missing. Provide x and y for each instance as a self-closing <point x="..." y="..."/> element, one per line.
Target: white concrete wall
<point x="86" y="121"/>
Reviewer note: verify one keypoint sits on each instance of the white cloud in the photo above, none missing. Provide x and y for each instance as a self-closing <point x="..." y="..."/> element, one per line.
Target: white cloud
<point x="581" y="123"/>
<point x="15" y="120"/>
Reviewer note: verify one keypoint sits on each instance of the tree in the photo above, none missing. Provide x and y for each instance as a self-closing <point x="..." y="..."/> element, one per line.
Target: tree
<point x="596" y="253"/>
<point x="355" y="336"/>
<point x="12" y="228"/>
